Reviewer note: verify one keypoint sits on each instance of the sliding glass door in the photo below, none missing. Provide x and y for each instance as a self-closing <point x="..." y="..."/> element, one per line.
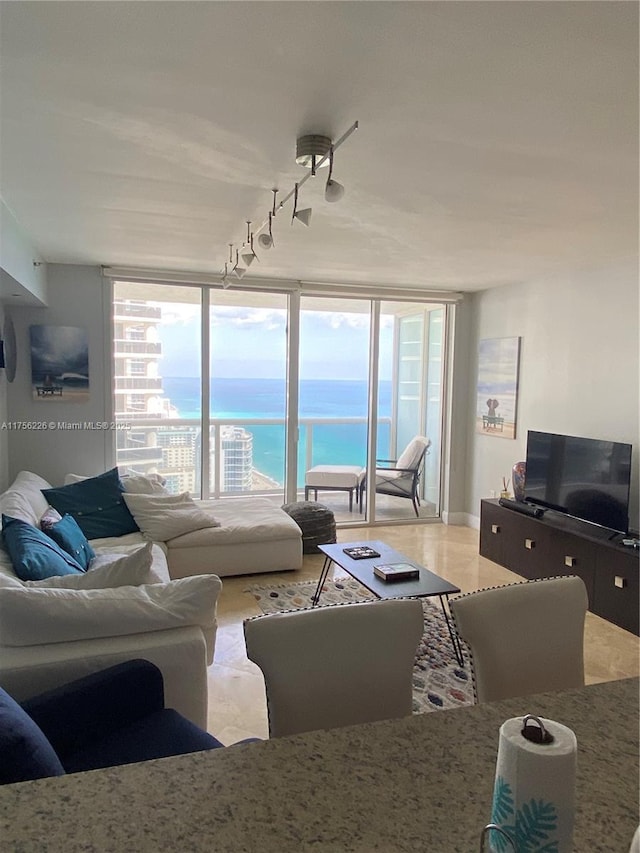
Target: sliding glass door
<point x="248" y="393"/>
<point x="409" y="411"/>
<point x="333" y="387"/>
<point x="234" y="392"/>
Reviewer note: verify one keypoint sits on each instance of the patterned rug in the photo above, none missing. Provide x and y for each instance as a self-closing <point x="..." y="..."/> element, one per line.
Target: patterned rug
<point x="438" y="680"/>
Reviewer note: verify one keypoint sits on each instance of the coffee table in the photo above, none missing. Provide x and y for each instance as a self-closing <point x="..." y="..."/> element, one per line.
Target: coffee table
<point x="425" y="586"/>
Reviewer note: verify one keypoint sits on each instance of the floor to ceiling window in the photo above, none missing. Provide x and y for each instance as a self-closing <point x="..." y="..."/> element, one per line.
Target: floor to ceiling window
<point x="248" y="385"/>
<point x="409" y="399"/>
<point x="334" y="382"/>
<point x="210" y="382"/>
<point x="157" y="376"/>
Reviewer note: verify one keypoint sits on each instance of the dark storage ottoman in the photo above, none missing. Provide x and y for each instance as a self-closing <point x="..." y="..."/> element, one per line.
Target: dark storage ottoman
<point x="316" y="521"/>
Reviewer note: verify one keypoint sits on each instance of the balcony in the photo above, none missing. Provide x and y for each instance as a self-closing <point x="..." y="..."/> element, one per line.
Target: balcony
<point x="224" y="483"/>
<point x="125" y="347"/>
<point x="137" y="310"/>
<point x="138" y="383"/>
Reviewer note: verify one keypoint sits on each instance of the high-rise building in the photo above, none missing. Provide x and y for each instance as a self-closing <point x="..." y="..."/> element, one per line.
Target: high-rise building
<point x="153" y="443"/>
<point x="237" y="459"/>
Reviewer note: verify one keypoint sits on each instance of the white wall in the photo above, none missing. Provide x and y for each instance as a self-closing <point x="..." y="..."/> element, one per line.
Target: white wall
<point x="578" y="368"/>
<point x="76" y="297"/>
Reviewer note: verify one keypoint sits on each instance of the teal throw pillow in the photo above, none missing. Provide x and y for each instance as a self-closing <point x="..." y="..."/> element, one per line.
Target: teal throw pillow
<point x="34" y="555"/>
<point x="96" y="504"/>
<point x="67" y="534"/>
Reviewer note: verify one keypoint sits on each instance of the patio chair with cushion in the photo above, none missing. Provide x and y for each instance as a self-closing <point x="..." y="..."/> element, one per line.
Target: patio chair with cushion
<point x="400" y="477"/>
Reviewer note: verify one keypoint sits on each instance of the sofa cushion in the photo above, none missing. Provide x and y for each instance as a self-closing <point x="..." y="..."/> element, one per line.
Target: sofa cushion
<point x="31" y="616"/>
<point x="67" y="534"/>
<point x="34" y="555"/>
<point x="23" y="499"/>
<point x="144" y="484"/>
<point x="132" y="569"/>
<point x="25" y="752"/>
<point x="97" y="505"/>
<point x="163" y="517"/>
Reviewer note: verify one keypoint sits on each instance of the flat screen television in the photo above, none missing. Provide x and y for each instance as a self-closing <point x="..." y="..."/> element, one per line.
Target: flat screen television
<point x="582" y="477"/>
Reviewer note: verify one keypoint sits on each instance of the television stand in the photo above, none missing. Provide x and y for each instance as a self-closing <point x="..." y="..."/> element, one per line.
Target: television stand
<point x="558" y="545"/>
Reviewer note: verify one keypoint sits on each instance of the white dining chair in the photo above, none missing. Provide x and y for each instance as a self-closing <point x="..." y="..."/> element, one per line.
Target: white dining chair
<point x="336" y="665"/>
<point x="525" y="637"/>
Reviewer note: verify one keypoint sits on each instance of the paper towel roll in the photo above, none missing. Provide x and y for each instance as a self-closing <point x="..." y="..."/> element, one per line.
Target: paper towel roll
<point x="534" y="791"/>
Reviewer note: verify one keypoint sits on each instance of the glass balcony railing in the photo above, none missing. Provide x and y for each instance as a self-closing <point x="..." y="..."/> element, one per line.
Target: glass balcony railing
<point x="245" y="455"/>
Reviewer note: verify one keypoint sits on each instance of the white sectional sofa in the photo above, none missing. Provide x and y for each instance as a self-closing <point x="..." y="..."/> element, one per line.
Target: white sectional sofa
<point x="49" y="636"/>
<point x="165" y="612"/>
<point x="253" y="536"/>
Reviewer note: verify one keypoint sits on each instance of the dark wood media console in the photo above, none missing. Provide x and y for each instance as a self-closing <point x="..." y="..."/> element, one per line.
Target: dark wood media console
<point x="558" y="545"/>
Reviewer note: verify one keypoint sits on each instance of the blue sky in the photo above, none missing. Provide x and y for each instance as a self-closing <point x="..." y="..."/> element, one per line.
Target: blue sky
<point x="251" y="343"/>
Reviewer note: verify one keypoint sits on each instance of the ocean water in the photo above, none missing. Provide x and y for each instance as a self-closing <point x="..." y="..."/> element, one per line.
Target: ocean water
<point x="334" y="444"/>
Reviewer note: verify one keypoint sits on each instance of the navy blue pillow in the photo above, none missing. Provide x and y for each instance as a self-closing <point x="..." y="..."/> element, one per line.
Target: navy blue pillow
<point x="67" y="534"/>
<point x="96" y="504"/>
<point x="26" y="752"/>
<point x="34" y="555"/>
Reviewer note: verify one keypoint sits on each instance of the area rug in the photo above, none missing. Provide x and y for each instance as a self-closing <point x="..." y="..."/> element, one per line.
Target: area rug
<point x="438" y="680"/>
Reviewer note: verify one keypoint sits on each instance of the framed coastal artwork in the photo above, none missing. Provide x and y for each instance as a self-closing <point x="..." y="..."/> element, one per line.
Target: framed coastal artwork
<point x="497" y="391"/>
<point x="59" y="363"/>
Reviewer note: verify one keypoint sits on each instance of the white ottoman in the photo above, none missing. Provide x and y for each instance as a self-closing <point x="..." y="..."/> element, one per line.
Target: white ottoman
<point x="334" y="478"/>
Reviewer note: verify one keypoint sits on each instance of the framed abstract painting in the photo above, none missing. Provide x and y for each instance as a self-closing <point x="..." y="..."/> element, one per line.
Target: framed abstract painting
<point x="59" y="363"/>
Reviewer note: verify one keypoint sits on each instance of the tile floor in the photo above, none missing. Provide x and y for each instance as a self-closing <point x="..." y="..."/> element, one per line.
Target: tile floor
<point x="237" y="707"/>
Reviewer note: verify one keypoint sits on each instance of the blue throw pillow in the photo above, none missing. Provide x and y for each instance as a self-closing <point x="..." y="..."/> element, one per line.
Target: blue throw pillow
<point x="96" y="504"/>
<point x="67" y="534"/>
<point x="26" y="752"/>
<point x="34" y="555"/>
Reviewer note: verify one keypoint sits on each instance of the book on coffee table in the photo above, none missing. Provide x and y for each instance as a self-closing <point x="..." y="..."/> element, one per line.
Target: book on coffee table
<point x="396" y="571"/>
<point x="361" y="552"/>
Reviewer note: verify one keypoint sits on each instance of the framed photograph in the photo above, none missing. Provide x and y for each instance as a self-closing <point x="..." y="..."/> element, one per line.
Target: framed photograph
<point x="497" y="393"/>
<point x="59" y="363"/>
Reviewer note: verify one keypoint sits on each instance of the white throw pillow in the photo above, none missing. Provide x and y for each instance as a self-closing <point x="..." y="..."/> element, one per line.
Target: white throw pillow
<point x="31" y="617"/>
<point x="163" y="517"/>
<point x="143" y="484"/>
<point x="131" y="570"/>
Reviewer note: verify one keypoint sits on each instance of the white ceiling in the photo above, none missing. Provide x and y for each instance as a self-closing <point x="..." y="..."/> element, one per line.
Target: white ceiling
<point x="498" y="141"/>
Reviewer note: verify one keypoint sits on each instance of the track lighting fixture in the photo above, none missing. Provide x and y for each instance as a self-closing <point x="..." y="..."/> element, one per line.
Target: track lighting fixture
<point x="248" y="255"/>
<point x="333" y="190"/>
<point x="225" y="277"/>
<point x="237" y="269"/>
<point x="266" y="240"/>
<point x="313" y="151"/>
<point x="304" y="215"/>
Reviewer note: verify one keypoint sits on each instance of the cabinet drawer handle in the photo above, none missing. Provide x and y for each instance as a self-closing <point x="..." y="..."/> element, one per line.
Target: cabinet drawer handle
<point x="495" y="528"/>
<point x="529" y="544"/>
<point x="620" y="582"/>
<point x="570" y="562"/>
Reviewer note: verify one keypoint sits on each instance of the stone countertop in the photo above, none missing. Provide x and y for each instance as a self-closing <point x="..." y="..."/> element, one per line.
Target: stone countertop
<point x="422" y="783"/>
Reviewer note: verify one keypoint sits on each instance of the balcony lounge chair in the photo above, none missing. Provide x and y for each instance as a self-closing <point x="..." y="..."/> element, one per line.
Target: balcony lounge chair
<point x="400" y="477"/>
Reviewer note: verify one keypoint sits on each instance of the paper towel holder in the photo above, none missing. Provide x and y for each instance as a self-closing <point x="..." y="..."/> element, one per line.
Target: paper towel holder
<point x="495" y="828"/>
<point x="536" y="734"/>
